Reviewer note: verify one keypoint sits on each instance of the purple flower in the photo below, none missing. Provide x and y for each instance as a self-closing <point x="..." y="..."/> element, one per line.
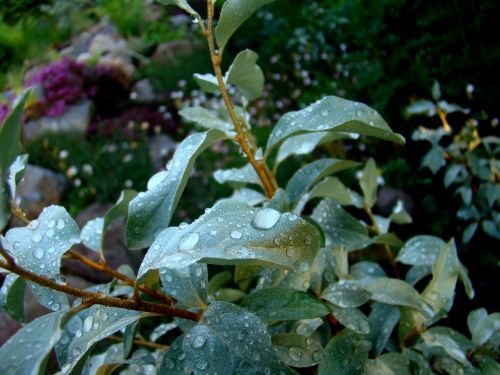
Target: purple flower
<point x="4" y="112"/>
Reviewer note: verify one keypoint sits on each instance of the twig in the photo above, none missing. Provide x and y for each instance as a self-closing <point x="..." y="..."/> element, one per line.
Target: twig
<point x="142" y="342"/>
<point x="261" y="167"/>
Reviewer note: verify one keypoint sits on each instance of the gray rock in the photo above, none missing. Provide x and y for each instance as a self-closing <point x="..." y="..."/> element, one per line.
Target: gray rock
<point x="161" y="148"/>
<point x="143" y="91"/>
<point x="171" y="51"/>
<point x="39" y="188"/>
<point x="76" y="119"/>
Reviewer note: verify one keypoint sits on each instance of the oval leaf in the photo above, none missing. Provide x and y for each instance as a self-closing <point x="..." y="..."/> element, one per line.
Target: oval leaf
<point x="298" y="351"/>
<point x="187" y="285"/>
<point x="246" y="75"/>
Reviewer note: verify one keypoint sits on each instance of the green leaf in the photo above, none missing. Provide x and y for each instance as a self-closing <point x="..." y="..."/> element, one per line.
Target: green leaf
<point x="421" y="107"/>
<point x="346" y="294"/>
<point x="272" y="304"/>
<point x="420" y="251"/>
<point x="440" y="338"/>
<point x="187" y="285"/>
<point x="207" y="82"/>
<point x="235" y="233"/>
<point x="150" y="212"/>
<point x="246" y="75"/>
<point x="230" y="340"/>
<point x="10" y="135"/>
<point x="4" y="206"/>
<point x="12" y="297"/>
<point x="395" y="292"/>
<point x="245" y="175"/>
<point x="332" y="187"/>
<point x="335" y="115"/>
<point x="340" y="228"/>
<point x="94" y="231"/>
<point x="16" y="172"/>
<point x="174" y="361"/>
<point x="248" y="196"/>
<point x="89" y="327"/>
<point x="233" y="14"/>
<point x="297" y="351"/>
<point x="483" y="326"/>
<point x="27" y="351"/>
<point x="304" y="178"/>
<point x="363" y="269"/>
<point x="383" y="318"/>
<point x="436" y="91"/>
<point x="304" y="144"/>
<point x="219" y="280"/>
<point x="399" y="214"/>
<point x="488" y="365"/>
<point x="40" y="246"/>
<point x="368" y="183"/>
<point x="206" y="119"/>
<point x="389" y="364"/>
<point x="434" y="159"/>
<point x="279" y="202"/>
<point x="352" y="319"/>
<point x="183" y="4"/>
<point x="346" y="353"/>
<point x="279" y="278"/>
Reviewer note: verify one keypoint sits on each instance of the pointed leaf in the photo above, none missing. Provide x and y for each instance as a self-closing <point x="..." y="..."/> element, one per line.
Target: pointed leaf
<point x="483" y="326"/>
<point x="297" y="351"/>
<point x="346" y="294"/>
<point x="341" y="229"/>
<point x="346" y="353"/>
<point x="233" y="14"/>
<point x="220" y="343"/>
<point x="304" y="178"/>
<point x="16" y="172"/>
<point x="12" y="297"/>
<point x="363" y="269"/>
<point x="150" y="212"/>
<point x="87" y="328"/>
<point x="332" y="187"/>
<point x="383" y="318"/>
<point x="332" y="114"/>
<point x="187" y="285"/>
<point x="420" y="251"/>
<point x="207" y="82"/>
<point x="27" y="351"/>
<point x="206" y="119"/>
<point x="351" y="318"/>
<point x="235" y="233"/>
<point x="246" y="75"/>
<point x="248" y="196"/>
<point x="284" y="304"/>
<point x="245" y="175"/>
<point x="183" y="4"/>
<point x="174" y="361"/>
<point x="368" y="183"/>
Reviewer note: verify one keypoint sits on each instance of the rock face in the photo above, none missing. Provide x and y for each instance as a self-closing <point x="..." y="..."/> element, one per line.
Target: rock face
<point x="169" y="52"/>
<point x="75" y="120"/>
<point x="161" y="148"/>
<point x="39" y="188"/>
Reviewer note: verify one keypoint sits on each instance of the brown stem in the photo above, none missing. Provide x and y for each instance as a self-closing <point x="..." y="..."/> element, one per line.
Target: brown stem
<point x="142" y="342"/>
<point x="387" y="249"/>
<point x="216" y="57"/>
<point x="97" y="298"/>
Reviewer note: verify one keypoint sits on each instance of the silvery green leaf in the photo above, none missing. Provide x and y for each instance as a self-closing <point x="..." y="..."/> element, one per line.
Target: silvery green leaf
<point x="399" y="214"/>
<point x="174" y="361"/>
<point x="244" y="275"/>
<point x="421" y="107"/>
<point x="12" y="297"/>
<point x="420" y="251"/>
<point x="205" y="118"/>
<point x="207" y="82"/>
<point x="332" y="114"/>
<point x="346" y="293"/>
<point x="483" y="326"/>
<point x="49" y="298"/>
<point x="87" y="328"/>
<point x="272" y="304"/>
<point x="40" y="246"/>
<point x="436" y="91"/>
<point x="491" y="228"/>
<point x="245" y="175"/>
<point x="16" y="172"/>
<point x="297" y="351"/>
<point x="306" y="143"/>
<point x="306" y="177"/>
<point x="235" y="233"/>
<point x="246" y="75"/>
<point x="279" y="202"/>
<point x="219" y="280"/>
<point x="128" y="338"/>
<point x="451" y="342"/>
<point x="363" y="269"/>
<point x="231" y="340"/>
<point x="488" y="365"/>
<point x="183" y="4"/>
<point x="340" y="228"/>
<point x="389" y="364"/>
<point x="248" y="196"/>
<point x="93" y="234"/>
<point x="351" y="318"/>
<point x="306" y="327"/>
<point x="161" y="330"/>
<point x="27" y="351"/>
<point x="99" y="364"/>
<point x="417" y="273"/>
<point x="187" y="285"/>
<point x="275" y="277"/>
<point x="346" y="353"/>
<point x="383" y="318"/>
<point x="229" y="295"/>
<point x="434" y="159"/>
<point x="368" y="183"/>
<point x="151" y="211"/>
<point x="233" y="14"/>
<point x="452" y="174"/>
<point x="395" y="292"/>
<point x="450" y="108"/>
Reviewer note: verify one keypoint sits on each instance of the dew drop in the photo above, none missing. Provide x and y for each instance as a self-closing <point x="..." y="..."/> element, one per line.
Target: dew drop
<point x="324" y="113"/>
<point x="317" y="356"/>
<point x="292" y="217"/>
<point x="60" y="224"/>
<point x="87" y="323"/>
<point x="266" y="218"/>
<point x="201" y="365"/>
<point x="33" y="224"/>
<point x="236" y="234"/>
<point x="36" y="238"/>
<point x="51" y="224"/>
<point x="78" y="333"/>
<point x="157" y="179"/>
<point x="295" y="353"/>
<point x="169" y="363"/>
<point x="189" y="241"/>
<point x="199" y="342"/>
<point x="38" y="253"/>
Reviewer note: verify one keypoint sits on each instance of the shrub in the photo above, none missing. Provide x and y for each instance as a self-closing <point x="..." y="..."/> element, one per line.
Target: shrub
<point x="302" y="282"/>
